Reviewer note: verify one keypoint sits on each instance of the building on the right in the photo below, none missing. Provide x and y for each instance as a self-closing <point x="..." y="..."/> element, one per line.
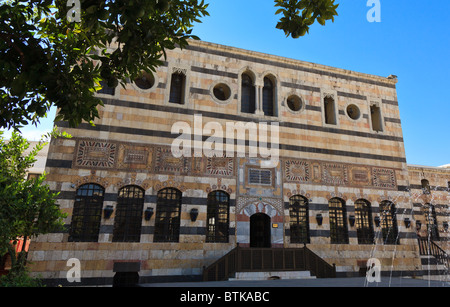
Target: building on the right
<point x="430" y="197"/>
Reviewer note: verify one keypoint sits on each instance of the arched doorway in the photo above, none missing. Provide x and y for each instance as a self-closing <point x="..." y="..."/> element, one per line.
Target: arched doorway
<point x="260" y="234"/>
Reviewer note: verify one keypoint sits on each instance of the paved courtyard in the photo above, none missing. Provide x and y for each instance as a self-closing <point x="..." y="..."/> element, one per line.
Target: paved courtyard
<point x="324" y="282"/>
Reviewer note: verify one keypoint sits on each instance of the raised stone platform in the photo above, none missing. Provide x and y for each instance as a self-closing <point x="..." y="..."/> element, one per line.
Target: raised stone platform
<point x="273" y="275"/>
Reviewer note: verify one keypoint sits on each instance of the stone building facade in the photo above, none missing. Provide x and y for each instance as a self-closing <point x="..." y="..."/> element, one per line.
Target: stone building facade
<point x="341" y="186"/>
<point x="430" y="196"/>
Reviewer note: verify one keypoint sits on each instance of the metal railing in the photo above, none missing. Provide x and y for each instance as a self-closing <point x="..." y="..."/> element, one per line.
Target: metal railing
<point x="241" y="259"/>
<point x="430" y="248"/>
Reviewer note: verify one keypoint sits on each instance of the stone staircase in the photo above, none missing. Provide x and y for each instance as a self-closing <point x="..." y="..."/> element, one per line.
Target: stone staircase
<point x="268" y="263"/>
<point x="435" y="261"/>
<point x="432" y="269"/>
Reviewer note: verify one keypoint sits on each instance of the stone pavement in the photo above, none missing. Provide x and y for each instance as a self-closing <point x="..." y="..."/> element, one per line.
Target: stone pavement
<point x="319" y="282"/>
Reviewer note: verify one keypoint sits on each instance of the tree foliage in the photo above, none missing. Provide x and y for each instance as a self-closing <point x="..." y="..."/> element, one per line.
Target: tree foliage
<point x="299" y="15"/>
<point x="27" y="207"/>
<point x="48" y="59"/>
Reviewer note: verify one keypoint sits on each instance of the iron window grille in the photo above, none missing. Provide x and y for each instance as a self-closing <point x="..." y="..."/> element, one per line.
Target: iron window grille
<point x="128" y="219"/>
<point x="364" y="225"/>
<point x="87" y="213"/>
<point x="431" y="220"/>
<point x="259" y="176"/>
<point x="299" y="219"/>
<point x="338" y="221"/>
<point x="218" y="205"/>
<point x="167" y="217"/>
<point x="389" y="227"/>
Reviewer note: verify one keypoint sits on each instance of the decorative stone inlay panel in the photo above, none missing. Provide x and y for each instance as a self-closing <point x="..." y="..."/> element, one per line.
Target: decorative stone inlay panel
<point x="78" y="181"/>
<point x="134" y="157"/>
<point x="219" y="186"/>
<point x="95" y="154"/>
<point x="147" y="158"/>
<point x="339" y="174"/>
<point x="166" y="162"/>
<point x="259" y="208"/>
<point x="384" y="178"/>
<point x="132" y="180"/>
<point x="169" y="184"/>
<point x="297" y="170"/>
<point x="221" y="166"/>
<point x="335" y="174"/>
<point x="245" y="201"/>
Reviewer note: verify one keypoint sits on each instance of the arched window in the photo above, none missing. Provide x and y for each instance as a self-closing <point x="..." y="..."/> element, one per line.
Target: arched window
<point x="177" y="87"/>
<point x="128" y="219"/>
<point x="425" y="186"/>
<point x="431" y="220"/>
<point x="338" y="221"/>
<point x="376" y="118"/>
<point x="299" y="219"/>
<point x="167" y="217"/>
<point x="268" y="97"/>
<point x="87" y="213"/>
<point x="248" y="101"/>
<point x="217" y="217"/>
<point x="330" y="111"/>
<point x="364" y="225"/>
<point x="389" y="227"/>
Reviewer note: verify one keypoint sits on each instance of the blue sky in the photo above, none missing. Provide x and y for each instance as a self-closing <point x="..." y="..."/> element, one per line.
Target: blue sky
<point x="412" y="41"/>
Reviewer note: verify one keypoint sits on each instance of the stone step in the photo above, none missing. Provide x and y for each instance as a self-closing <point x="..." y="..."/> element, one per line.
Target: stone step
<point x="273" y="275"/>
<point x="438" y="277"/>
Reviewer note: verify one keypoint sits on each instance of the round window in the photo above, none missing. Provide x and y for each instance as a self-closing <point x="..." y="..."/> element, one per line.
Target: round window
<point x="145" y="81"/>
<point x="222" y="92"/>
<point x="294" y="103"/>
<point x="353" y="112"/>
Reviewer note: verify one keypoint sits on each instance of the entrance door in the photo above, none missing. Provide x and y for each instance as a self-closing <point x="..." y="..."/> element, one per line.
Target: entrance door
<point x="260" y="230"/>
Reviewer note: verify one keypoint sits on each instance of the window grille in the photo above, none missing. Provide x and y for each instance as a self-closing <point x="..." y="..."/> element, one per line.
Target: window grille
<point x="299" y="219"/>
<point x="128" y="218"/>
<point x="389" y="228"/>
<point x="87" y="212"/>
<point x="338" y="221"/>
<point x="364" y="225"/>
<point x="259" y="176"/>
<point x="218" y="217"/>
<point x="167" y="218"/>
<point x="431" y="220"/>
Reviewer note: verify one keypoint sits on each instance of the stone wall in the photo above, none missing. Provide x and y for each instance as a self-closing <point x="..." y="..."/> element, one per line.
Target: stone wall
<point x="431" y="202"/>
<point x="130" y="145"/>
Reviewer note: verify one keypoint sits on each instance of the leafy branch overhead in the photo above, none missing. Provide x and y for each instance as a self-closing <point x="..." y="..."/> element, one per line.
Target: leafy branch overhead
<point x="48" y="59"/>
<point x="299" y="15"/>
